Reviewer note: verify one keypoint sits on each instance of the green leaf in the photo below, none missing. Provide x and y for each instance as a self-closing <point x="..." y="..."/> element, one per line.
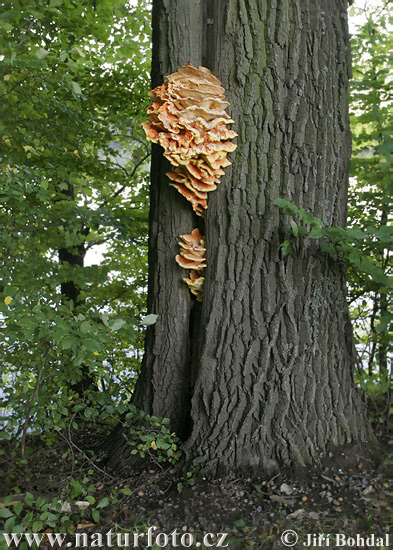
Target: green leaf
<point x="379" y="276"/>
<point x="240" y="523"/>
<point x="282" y="203"/>
<point x="303" y="231"/>
<point x="385" y="233"/>
<point x="103" y="503"/>
<point x="286" y="248"/>
<point x="149" y="319"/>
<point x="9" y="524"/>
<point x="91" y="344"/>
<point x="18" y="507"/>
<point x="68" y="342"/>
<point x="88" y="412"/>
<point x="41" y="53"/>
<point x="307" y="217"/>
<point x="337" y="233"/>
<point x="294" y="228"/>
<point x="95" y="515"/>
<point x="384" y="323"/>
<point x="6" y="513"/>
<point x="77" y="487"/>
<point x="76" y="88"/>
<point x="104" y="318"/>
<point x="29" y="499"/>
<point x="288" y="206"/>
<point x="36" y="14"/>
<point x="356" y="233"/>
<point x="315" y="233"/>
<point x="116" y="324"/>
<point x="40" y="502"/>
<point x="18" y="529"/>
<point x="85" y="326"/>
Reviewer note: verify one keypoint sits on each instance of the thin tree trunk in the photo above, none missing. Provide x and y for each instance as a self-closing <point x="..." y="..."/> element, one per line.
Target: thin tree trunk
<point x="383" y="310"/>
<point x="70" y="291"/>
<point x="272" y="355"/>
<point x="164" y="385"/>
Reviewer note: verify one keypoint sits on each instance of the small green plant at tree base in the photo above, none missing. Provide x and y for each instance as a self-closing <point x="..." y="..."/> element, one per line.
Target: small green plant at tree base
<point x="189" y="480"/>
<point x="149" y="436"/>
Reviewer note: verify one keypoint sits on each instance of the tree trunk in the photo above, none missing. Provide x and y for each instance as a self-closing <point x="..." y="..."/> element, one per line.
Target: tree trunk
<point x="164" y="385"/>
<point x="70" y="292"/>
<point x="272" y="355"/>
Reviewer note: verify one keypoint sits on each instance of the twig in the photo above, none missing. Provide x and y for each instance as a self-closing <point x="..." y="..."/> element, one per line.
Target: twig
<point x="38" y="228"/>
<point x="83" y="453"/>
<point x="130" y="176"/>
<point x="71" y="449"/>
<point x="29" y="403"/>
<point x="273" y="478"/>
<point x="26" y="32"/>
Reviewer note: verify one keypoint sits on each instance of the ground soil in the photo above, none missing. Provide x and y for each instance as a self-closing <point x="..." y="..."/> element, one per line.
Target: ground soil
<point x="349" y="493"/>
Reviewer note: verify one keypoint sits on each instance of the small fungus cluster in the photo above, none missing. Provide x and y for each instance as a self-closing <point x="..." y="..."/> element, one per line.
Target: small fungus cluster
<point x="187" y="118"/>
<point x="193" y="256"/>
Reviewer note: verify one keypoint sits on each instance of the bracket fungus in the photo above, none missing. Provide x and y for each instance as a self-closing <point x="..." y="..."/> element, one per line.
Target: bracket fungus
<point x="193" y="256"/>
<point x="187" y="118"/>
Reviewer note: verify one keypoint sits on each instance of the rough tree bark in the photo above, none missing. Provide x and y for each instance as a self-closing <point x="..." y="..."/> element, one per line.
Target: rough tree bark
<point x="164" y="385"/>
<point x="263" y="375"/>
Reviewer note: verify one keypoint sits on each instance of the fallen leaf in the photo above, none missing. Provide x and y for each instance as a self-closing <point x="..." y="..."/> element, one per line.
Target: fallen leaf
<point x="84" y="525"/>
<point x="82" y="504"/>
<point x="283" y="500"/>
<point x="296" y="514"/>
<point x="286" y="489"/>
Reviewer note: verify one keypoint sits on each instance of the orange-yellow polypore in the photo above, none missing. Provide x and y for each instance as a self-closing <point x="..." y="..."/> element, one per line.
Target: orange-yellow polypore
<point x="187" y="118"/>
<point x="195" y="284"/>
<point x="193" y="256"/>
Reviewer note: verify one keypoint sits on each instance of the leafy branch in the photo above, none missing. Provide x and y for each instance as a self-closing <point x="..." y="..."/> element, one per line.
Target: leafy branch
<point x="338" y="241"/>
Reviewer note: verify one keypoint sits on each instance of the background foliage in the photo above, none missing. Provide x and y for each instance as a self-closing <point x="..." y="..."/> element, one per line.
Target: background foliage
<point x="73" y="82"/>
<point x="371" y="196"/>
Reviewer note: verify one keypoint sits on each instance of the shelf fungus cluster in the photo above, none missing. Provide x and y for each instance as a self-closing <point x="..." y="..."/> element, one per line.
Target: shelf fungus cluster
<point x="188" y="119"/>
<point x="193" y="256"/>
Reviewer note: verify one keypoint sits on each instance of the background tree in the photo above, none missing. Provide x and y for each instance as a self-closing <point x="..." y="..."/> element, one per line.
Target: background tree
<point x="262" y="374"/>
